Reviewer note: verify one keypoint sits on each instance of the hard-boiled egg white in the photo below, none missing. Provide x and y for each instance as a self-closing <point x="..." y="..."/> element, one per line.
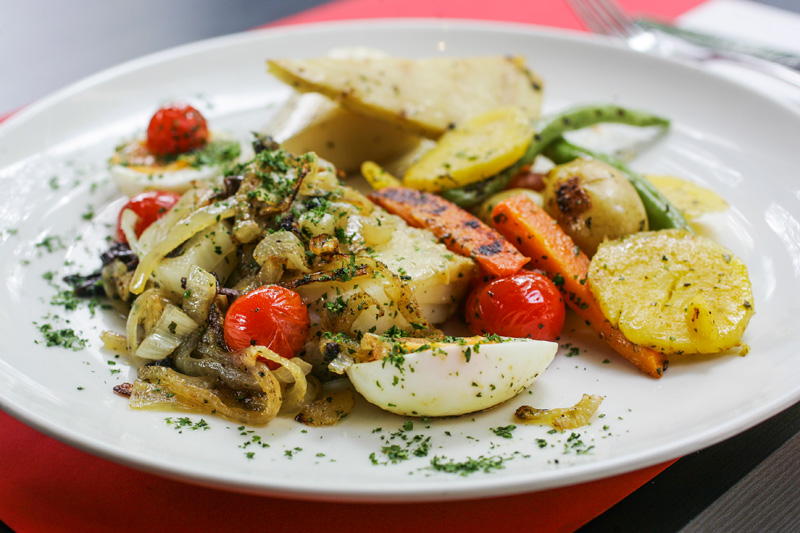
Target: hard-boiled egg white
<point x="454" y="378"/>
<point x="135" y="170"/>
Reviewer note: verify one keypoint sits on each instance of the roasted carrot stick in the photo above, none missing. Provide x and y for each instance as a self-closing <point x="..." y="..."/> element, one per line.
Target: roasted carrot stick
<point x="459" y="230"/>
<point x="537" y="235"/>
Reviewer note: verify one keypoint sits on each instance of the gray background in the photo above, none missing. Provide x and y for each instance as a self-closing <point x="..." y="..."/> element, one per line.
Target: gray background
<point x="48" y="44"/>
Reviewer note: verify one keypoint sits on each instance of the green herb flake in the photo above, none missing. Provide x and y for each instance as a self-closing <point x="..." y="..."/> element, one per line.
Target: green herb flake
<point x="65" y="337"/>
<point x="504" y="431"/>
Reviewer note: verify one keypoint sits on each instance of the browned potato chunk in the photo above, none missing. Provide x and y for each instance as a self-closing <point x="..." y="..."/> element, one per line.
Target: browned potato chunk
<point x="593" y="201"/>
<point x="673" y="291"/>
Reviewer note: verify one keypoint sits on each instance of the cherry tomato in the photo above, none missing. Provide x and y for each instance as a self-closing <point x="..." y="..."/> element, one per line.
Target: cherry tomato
<point x="527" y="179"/>
<point x="270" y="316"/>
<point x="150" y="206"/>
<point x="175" y="129"/>
<point x="524" y="305"/>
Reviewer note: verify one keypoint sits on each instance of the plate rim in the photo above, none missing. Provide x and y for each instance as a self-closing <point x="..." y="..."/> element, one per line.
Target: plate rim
<point x="498" y="486"/>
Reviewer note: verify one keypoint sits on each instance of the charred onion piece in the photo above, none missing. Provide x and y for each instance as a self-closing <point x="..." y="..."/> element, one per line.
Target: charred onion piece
<point x="124" y="389"/>
<point x="562" y="418"/>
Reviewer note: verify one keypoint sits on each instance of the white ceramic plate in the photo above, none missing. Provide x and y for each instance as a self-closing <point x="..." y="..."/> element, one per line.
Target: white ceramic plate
<point x="52" y="168"/>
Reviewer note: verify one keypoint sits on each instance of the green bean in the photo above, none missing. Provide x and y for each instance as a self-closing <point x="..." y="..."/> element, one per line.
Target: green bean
<point x="661" y="214"/>
<point x="547" y="130"/>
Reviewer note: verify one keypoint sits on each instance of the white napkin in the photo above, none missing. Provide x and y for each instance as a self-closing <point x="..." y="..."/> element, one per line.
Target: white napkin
<point x="753" y="22"/>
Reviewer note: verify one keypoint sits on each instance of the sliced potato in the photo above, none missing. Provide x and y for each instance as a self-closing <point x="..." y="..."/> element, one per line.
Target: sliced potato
<point x="673" y="291"/>
<point x="314" y="123"/>
<point x="425" y="96"/>
<point x="691" y="199"/>
<point x="400" y="165"/>
<point x="474" y="150"/>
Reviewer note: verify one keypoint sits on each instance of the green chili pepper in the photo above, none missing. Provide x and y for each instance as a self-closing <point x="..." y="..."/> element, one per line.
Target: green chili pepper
<point x="548" y="130"/>
<point x="661" y="214"/>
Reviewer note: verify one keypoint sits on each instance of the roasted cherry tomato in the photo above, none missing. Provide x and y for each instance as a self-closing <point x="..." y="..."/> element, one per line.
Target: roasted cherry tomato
<point x="527" y="179"/>
<point x="175" y="129"/>
<point x="526" y="304"/>
<point x="150" y="206"/>
<point x="270" y="316"/>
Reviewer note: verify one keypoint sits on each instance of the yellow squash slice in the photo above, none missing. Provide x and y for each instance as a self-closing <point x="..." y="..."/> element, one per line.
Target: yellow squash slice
<point x="691" y="199"/>
<point x="474" y="150"/>
<point x="377" y="177"/>
<point x="673" y="291"/>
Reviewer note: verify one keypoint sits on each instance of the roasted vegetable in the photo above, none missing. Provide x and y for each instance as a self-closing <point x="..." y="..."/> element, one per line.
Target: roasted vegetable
<point x="424" y="96"/>
<point x="460" y="231"/>
<point x="377" y="177"/>
<point x="537" y="235"/>
<point x="673" y="291"/>
<point x="327" y="411"/>
<point x="484" y="211"/>
<point x="593" y="201"/>
<point x="691" y="199"/>
<point x="548" y="130"/>
<point x="473" y="151"/>
<point x="562" y="418"/>
<point x="314" y="123"/>
<point x="661" y="214"/>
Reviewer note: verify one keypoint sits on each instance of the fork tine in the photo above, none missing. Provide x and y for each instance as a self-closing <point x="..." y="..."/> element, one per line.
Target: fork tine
<point x="618" y="16"/>
<point x="602" y="16"/>
<point x="587" y="15"/>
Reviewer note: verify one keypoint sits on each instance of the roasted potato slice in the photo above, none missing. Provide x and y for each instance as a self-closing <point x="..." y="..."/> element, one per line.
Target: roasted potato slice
<point x="673" y="291"/>
<point x="691" y="199"/>
<point x="424" y="96"/>
<point x="314" y="123"/>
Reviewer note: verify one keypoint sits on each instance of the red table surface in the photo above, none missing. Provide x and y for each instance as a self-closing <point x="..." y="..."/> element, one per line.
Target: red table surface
<point x="49" y="486"/>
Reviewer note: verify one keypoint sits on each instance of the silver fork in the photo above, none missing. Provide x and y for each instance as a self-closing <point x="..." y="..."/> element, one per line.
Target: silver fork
<point x="607" y="18"/>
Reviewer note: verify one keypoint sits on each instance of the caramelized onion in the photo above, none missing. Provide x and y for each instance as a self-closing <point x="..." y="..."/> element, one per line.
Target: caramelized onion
<point x="127" y="223"/>
<point x="283" y="246"/>
<point x="171" y="329"/>
<point x="201" y="288"/>
<point x="295" y="392"/>
<point x="162" y="388"/>
<point x="562" y="418"/>
<point x="114" y="341"/>
<point x="144" y="315"/>
<point x="184" y="229"/>
<point x="328" y="410"/>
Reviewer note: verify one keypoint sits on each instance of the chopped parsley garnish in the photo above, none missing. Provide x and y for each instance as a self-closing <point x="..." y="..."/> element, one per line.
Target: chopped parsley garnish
<point x="66" y="298"/>
<point x="66" y="337"/>
<point x="470" y="466"/>
<point x="185" y="422"/>
<point x="504" y="431"/>
<point x="51" y="244"/>
<point x="337" y="306"/>
<point x="217" y="152"/>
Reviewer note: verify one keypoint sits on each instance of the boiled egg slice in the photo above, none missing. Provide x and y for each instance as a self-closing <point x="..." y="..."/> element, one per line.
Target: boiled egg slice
<point x="135" y="169"/>
<point x="427" y="378"/>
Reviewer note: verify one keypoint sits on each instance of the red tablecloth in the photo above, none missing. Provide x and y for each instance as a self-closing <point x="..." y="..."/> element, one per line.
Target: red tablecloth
<point x="48" y="486"/>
